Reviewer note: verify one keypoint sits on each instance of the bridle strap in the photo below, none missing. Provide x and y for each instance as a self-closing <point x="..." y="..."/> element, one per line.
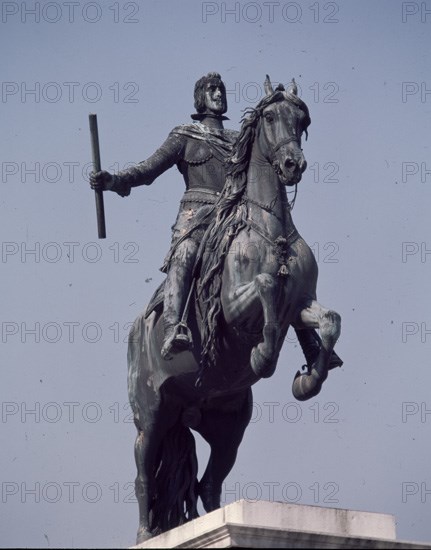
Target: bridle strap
<point x="274" y="148"/>
<point x="284" y="141"/>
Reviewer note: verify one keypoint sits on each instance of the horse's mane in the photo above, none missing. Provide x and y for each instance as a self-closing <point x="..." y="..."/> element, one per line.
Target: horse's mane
<point x="228" y="221"/>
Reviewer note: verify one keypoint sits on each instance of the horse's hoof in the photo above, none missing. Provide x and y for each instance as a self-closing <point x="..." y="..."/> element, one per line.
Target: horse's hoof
<point x="210" y="497"/>
<point x="262" y="366"/>
<point x="143" y="535"/>
<point x="306" y="386"/>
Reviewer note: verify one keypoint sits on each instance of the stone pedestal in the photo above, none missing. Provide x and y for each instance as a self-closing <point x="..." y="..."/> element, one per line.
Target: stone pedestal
<point x="264" y="524"/>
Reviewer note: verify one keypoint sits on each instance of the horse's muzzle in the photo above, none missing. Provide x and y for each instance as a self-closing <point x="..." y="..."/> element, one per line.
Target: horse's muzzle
<point x="292" y="165"/>
<point x="291" y="173"/>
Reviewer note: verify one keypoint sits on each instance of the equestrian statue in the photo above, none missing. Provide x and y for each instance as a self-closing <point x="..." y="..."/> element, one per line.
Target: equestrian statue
<point x="238" y="275"/>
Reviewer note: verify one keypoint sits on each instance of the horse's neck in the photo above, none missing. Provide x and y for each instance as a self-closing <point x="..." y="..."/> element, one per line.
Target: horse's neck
<point x="267" y="204"/>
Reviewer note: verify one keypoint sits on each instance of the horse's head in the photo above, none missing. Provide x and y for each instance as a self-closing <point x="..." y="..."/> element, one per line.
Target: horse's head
<point x="283" y="117"/>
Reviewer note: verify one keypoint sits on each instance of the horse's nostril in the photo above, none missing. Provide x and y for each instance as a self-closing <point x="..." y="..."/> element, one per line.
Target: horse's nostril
<point x="290" y="164"/>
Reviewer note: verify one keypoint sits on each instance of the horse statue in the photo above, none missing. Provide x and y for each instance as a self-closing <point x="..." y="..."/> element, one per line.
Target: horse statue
<point x="255" y="277"/>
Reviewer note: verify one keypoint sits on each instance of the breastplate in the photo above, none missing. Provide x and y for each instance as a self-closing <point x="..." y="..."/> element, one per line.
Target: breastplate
<point x="197" y="152"/>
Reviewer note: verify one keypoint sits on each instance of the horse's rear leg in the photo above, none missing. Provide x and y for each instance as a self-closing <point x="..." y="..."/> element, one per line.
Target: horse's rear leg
<point x="143" y="486"/>
<point x="328" y="322"/>
<point x="223" y="430"/>
<point x="151" y="431"/>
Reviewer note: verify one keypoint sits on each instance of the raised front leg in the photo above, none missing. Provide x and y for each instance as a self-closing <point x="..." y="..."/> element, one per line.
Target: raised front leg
<point x="264" y="356"/>
<point x="306" y="386"/>
<point x="251" y="301"/>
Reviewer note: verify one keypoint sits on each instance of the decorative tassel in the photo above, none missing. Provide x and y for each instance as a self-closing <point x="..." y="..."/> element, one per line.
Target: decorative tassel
<point x="283" y="271"/>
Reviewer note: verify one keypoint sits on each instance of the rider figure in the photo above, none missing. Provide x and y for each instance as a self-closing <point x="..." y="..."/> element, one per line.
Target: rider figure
<point x="199" y="151"/>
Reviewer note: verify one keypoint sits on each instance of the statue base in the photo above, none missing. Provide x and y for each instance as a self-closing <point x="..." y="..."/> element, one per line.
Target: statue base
<point x="263" y="524"/>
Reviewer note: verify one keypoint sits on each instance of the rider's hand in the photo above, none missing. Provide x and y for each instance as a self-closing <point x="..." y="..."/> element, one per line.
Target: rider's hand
<point x="101" y="181"/>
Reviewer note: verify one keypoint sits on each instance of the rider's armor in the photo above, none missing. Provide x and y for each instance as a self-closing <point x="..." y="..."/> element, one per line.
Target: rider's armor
<point x="199" y="153"/>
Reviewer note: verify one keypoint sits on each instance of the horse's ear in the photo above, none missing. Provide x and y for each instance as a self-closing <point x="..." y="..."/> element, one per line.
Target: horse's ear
<point x="268" y="86"/>
<point x="293" y="88"/>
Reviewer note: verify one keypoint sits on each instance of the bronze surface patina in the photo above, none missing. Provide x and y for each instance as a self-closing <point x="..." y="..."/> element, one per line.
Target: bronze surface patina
<point x="238" y="274"/>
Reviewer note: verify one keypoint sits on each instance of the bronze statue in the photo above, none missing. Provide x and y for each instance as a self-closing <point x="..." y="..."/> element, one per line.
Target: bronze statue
<point x="244" y="274"/>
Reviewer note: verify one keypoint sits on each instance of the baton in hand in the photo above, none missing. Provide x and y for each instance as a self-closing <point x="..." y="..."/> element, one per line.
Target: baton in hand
<point x="100" y="210"/>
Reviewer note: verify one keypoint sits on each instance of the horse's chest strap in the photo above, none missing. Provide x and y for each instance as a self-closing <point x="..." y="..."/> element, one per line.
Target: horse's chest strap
<point x="280" y="245"/>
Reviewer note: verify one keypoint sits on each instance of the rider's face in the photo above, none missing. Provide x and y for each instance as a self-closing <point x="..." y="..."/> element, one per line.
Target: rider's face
<point x="215" y="98"/>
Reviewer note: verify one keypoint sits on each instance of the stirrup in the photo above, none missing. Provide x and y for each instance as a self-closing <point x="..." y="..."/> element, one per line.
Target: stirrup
<point x="179" y="340"/>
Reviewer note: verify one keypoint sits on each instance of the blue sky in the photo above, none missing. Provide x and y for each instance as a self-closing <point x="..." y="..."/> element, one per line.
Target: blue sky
<point x="363" y="206"/>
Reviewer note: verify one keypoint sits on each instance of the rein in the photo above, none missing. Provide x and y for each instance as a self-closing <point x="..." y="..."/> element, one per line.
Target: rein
<point x="267" y="207"/>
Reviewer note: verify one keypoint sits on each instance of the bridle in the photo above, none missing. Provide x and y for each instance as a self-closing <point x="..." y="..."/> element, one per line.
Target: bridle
<point x="282" y="142"/>
<point x="273" y="150"/>
<point x="285" y="141"/>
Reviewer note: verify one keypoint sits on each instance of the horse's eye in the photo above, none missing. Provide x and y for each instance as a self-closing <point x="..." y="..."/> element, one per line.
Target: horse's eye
<point x="269" y="117"/>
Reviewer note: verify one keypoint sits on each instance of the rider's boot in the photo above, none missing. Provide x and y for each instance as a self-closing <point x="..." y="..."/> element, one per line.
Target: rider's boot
<point x="177" y="335"/>
<point x="310" y="344"/>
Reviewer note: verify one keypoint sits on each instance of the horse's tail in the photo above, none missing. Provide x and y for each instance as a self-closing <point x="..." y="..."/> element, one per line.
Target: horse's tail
<point x="175" y="497"/>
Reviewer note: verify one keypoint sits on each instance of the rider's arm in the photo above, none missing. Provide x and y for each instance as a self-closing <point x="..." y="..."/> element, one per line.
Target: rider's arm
<point x="148" y="170"/>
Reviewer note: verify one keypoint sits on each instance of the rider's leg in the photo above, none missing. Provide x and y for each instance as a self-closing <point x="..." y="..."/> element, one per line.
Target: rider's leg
<point x="177" y="287"/>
